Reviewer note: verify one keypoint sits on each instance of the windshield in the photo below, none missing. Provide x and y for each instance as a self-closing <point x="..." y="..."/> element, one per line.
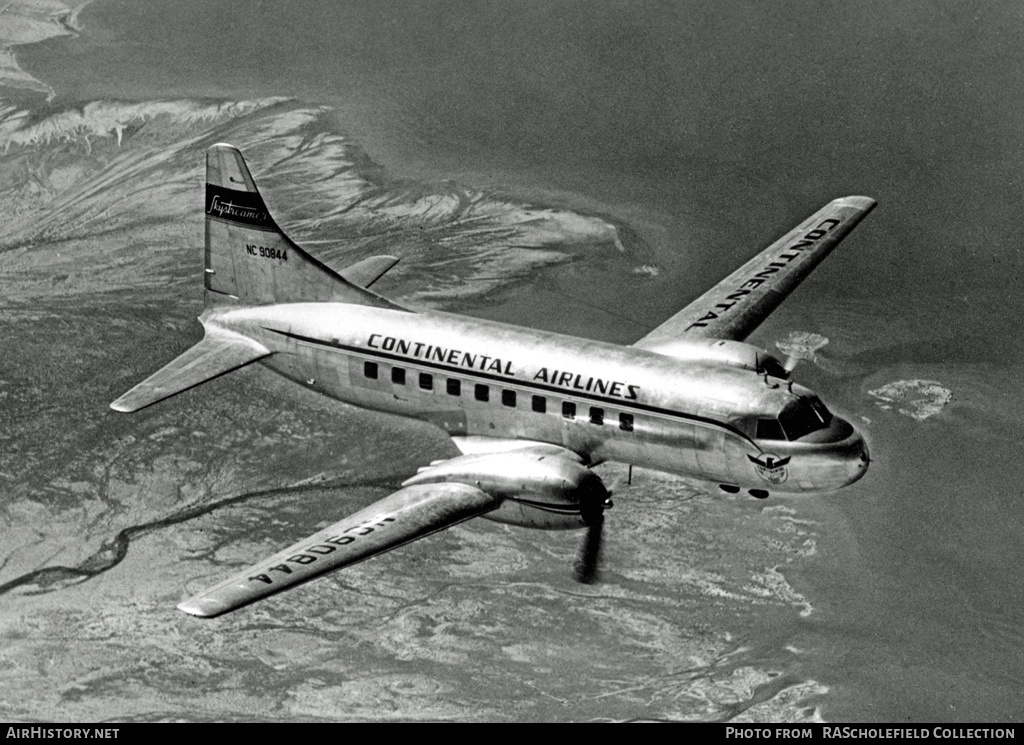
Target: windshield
<point x="803" y="416"/>
<point x="769" y="429"/>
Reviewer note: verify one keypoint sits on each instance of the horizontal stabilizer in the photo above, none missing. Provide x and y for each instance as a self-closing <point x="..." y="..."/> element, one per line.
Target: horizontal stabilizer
<point x="364" y="273"/>
<point x="219" y="352"/>
<point x="406" y="515"/>
<point x="738" y="304"/>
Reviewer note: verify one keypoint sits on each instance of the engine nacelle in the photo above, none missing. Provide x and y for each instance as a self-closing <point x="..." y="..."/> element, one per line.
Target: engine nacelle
<point x="723" y="351"/>
<point x="536" y="490"/>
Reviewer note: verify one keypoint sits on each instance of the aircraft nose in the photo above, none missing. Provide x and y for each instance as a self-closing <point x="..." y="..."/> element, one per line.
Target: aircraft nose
<point x="857" y="458"/>
<point x="845" y="452"/>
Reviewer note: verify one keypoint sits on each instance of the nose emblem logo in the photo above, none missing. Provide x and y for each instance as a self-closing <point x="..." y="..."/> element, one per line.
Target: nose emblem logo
<point x="770" y="467"/>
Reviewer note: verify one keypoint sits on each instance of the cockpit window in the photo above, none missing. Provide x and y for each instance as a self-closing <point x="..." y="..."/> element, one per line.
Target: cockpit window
<point x="769" y="429"/>
<point x="803" y="416"/>
<point x="821" y="411"/>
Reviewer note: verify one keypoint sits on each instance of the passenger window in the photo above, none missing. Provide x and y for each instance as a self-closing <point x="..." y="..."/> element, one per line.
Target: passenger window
<point x="370" y="370"/>
<point x="568" y="409"/>
<point x="482" y="393"/>
<point x="769" y="429"/>
<point x="540" y="404"/>
<point x="426" y="381"/>
<point x="508" y="398"/>
<point x="596" y="415"/>
<point x="626" y="422"/>
<point x="398" y="375"/>
<point x="454" y="387"/>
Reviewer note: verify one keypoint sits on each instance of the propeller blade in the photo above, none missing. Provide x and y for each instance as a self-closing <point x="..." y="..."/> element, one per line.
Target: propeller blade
<point x="586" y="568"/>
<point x="596" y="498"/>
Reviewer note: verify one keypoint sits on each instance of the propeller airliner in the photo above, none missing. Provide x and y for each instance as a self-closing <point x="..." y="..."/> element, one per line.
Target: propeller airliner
<point x="531" y="411"/>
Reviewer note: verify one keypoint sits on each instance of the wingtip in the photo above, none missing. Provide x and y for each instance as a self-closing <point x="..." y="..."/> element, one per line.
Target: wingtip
<point x="202" y="607"/>
<point x="120" y="405"/>
<point x="857" y="202"/>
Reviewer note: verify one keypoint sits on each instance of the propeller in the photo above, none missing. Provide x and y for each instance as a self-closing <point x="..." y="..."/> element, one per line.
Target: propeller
<point x="590" y="553"/>
<point x="594" y="500"/>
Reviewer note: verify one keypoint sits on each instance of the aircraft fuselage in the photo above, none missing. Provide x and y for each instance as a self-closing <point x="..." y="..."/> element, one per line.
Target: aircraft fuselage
<point x="474" y="377"/>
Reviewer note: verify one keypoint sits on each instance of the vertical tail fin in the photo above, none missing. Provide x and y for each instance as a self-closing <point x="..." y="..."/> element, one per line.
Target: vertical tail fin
<point x="249" y="259"/>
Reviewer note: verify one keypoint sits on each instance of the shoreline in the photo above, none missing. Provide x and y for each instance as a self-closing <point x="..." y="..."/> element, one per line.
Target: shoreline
<point x="24" y="22"/>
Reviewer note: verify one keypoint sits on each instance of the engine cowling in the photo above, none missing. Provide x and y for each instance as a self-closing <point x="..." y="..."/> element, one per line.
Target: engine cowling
<point x="536" y="490"/>
<point x="722" y="351"/>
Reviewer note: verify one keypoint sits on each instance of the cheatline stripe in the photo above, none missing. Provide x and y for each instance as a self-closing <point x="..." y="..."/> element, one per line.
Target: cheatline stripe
<point x="619" y="403"/>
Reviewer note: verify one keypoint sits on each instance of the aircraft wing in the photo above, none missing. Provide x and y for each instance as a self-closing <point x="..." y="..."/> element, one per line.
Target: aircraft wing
<point x="406" y="515"/>
<point x="220" y="351"/>
<point x="738" y="304"/>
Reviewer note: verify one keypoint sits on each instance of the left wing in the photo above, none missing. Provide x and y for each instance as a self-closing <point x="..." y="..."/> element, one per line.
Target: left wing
<point x="738" y="304"/>
<point x="408" y="514"/>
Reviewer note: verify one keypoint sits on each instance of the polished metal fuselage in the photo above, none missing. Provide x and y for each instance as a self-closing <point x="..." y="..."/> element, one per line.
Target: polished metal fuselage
<point x="474" y="377"/>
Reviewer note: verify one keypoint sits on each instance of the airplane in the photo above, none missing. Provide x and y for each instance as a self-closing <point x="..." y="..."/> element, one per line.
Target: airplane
<point x="530" y="411"/>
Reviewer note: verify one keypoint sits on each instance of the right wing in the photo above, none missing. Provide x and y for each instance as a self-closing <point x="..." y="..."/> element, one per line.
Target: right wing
<point x="738" y="304"/>
<point x="406" y="515"/>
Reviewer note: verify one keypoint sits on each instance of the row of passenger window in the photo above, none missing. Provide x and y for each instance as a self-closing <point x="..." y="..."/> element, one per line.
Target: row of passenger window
<point x="482" y="392"/>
